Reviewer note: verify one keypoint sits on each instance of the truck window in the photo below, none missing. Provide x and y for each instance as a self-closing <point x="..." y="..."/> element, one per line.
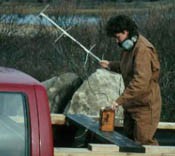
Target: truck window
<point x="14" y="129"/>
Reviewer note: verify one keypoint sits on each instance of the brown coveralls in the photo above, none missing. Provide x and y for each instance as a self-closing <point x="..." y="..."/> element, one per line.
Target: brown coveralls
<point x="141" y="98"/>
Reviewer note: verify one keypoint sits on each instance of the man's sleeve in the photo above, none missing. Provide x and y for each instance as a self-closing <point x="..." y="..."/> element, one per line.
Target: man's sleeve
<point x="139" y="85"/>
<point x="115" y="66"/>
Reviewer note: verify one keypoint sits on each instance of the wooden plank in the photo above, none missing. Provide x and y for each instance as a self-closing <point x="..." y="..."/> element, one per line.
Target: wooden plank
<point x="149" y="148"/>
<point x="161" y="125"/>
<point x="160" y="149"/>
<point x="168" y="150"/>
<point x="58" y="119"/>
<point x="125" y="144"/>
<point x="103" y="147"/>
<point x="166" y="125"/>
<point x="86" y="152"/>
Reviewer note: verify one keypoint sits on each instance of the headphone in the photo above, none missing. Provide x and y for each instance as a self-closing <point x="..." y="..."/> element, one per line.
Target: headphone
<point x="128" y="44"/>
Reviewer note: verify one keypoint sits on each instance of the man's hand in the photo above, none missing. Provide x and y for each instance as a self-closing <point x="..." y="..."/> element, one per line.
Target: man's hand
<point x="115" y="105"/>
<point x="104" y="63"/>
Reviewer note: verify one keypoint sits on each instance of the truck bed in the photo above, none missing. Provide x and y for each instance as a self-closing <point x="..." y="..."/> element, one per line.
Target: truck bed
<point x="105" y="149"/>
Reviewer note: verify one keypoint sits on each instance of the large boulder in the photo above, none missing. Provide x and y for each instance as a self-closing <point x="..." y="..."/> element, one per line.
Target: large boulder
<point x="60" y="90"/>
<point x="99" y="90"/>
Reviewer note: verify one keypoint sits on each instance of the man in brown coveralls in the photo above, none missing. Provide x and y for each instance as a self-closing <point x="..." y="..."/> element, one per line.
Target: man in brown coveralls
<point x="140" y="68"/>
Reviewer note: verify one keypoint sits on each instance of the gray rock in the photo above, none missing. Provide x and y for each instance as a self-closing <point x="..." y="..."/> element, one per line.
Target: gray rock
<point x="101" y="88"/>
<point x="60" y="90"/>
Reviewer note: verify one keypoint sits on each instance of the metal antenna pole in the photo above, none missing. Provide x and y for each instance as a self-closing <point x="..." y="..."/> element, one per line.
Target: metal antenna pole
<point x="68" y="35"/>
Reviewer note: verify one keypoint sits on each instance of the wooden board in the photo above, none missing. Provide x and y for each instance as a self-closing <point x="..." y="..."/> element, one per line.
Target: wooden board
<point x="59" y="119"/>
<point x="103" y="147"/>
<point x="125" y="144"/>
<point x="166" y="125"/>
<point x="148" y="148"/>
<point x="86" y="152"/>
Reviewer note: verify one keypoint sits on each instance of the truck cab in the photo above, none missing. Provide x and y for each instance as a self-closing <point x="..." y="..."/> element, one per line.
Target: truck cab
<point x="24" y="116"/>
<point x="26" y="128"/>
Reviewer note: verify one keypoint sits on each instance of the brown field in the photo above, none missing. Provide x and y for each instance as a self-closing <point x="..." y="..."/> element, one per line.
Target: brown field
<point x="92" y="9"/>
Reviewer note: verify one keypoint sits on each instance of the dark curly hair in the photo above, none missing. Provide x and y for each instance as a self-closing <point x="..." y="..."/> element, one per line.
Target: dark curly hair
<point x="120" y="23"/>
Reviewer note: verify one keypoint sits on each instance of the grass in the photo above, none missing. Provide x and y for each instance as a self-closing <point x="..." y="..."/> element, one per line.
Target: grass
<point x="95" y="9"/>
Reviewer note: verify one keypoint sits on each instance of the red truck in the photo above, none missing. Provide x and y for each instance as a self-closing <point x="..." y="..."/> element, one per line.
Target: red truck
<point x="24" y="116"/>
<point x="26" y="128"/>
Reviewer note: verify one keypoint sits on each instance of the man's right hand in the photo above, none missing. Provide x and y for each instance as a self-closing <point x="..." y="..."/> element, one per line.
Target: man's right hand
<point x="104" y="63"/>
